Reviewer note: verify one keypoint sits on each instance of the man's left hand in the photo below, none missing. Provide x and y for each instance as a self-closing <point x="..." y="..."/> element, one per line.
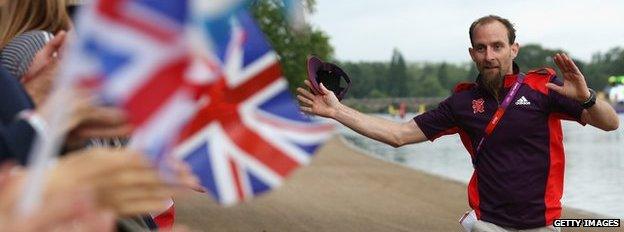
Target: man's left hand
<point x="574" y="85"/>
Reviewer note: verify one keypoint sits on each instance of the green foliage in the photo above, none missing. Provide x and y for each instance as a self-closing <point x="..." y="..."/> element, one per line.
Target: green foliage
<point x="397" y="78"/>
<point x="532" y="56"/>
<point x="366" y="78"/>
<point x="596" y="72"/>
<point x="292" y="47"/>
<point x="375" y="93"/>
<point x="604" y="65"/>
<point x="360" y="107"/>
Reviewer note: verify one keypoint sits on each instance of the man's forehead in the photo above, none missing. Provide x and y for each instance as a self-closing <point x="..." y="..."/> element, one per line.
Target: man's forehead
<point x="490" y="32"/>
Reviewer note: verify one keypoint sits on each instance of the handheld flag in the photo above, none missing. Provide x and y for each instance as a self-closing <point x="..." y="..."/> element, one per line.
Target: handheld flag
<point x="250" y="134"/>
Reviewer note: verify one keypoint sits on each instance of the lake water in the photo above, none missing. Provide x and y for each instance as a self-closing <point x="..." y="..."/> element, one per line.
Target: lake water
<point x="594" y="172"/>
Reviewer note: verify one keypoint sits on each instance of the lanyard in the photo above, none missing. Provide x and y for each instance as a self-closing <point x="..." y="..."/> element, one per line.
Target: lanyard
<point x="500" y="112"/>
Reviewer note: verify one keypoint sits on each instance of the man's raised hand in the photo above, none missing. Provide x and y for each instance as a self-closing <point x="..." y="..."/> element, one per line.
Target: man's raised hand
<point x="574" y="85"/>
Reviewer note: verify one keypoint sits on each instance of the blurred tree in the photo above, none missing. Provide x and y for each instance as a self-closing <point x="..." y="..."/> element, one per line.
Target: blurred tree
<point x="604" y="65"/>
<point x="428" y="84"/>
<point x="397" y="75"/>
<point x="443" y="76"/>
<point x="472" y="72"/>
<point x="532" y="56"/>
<point x="367" y="77"/>
<point x="292" y="47"/>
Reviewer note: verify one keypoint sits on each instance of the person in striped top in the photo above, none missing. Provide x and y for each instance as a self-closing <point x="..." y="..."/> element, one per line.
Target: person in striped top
<point x="17" y="55"/>
<point x="25" y="27"/>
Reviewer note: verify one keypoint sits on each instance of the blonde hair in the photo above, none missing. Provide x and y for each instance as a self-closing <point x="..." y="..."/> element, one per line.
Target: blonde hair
<point x="19" y="16"/>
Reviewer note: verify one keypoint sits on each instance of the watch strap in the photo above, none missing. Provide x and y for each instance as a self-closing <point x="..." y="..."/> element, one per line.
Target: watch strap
<point x="590" y="101"/>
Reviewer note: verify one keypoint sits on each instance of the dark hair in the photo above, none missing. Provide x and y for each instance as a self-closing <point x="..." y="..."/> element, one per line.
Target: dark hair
<point x="72" y="10"/>
<point x="511" y="31"/>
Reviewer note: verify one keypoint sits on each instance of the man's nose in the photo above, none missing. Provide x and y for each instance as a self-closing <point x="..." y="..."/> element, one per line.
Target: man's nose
<point x="489" y="54"/>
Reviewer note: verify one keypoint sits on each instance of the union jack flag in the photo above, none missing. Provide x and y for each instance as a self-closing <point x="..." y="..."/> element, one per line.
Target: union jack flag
<point x="222" y="103"/>
<point x="134" y="53"/>
<point x="249" y="135"/>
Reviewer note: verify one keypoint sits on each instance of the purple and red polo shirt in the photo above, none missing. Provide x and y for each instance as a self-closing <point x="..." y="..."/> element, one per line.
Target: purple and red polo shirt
<point x="518" y="176"/>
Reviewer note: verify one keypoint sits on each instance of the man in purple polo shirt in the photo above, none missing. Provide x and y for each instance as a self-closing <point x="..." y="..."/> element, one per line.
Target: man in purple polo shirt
<point x="508" y="121"/>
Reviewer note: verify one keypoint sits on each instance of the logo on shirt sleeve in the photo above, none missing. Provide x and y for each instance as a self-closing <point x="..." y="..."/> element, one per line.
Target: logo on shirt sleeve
<point x="477" y="106"/>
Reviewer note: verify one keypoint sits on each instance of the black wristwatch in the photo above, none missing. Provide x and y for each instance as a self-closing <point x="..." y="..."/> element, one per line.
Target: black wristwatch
<point x="590" y="101"/>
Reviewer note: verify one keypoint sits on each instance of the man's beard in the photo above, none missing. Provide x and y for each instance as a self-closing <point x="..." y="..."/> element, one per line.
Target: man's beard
<point x="493" y="83"/>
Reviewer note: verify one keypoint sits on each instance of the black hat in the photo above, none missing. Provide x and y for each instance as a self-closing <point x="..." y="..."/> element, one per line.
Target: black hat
<point x="329" y="74"/>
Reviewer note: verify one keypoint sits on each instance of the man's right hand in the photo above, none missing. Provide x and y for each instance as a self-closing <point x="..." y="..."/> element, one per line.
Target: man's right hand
<point x="324" y="104"/>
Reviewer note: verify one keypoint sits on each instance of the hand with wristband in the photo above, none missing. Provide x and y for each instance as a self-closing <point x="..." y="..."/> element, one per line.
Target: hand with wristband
<point x="597" y="113"/>
<point x="574" y="85"/>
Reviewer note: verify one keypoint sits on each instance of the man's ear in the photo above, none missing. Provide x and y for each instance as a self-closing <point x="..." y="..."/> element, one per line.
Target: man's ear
<point x="515" y="48"/>
<point x="471" y="52"/>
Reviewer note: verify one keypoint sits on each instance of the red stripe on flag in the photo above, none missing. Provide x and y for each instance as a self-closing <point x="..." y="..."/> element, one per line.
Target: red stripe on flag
<point x="256" y="146"/>
<point x="209" y="113"/>
<point x="255" y="84"/>
<point x="158" y="89"/>
<point x="118" y="11"/>
<point x="224" y="101"/>
<point x="237" y="181"/>
<point x="223" y="109"/>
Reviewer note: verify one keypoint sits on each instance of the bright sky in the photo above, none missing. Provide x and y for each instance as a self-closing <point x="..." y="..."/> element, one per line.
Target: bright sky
<point x="438" y="30"/>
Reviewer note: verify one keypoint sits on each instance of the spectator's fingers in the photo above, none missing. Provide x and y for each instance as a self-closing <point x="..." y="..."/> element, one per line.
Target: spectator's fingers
<point x="142" y="207"/>
<point x="45" y="55"/>
<point x="60" y="210"/>
<point x="102" y="221"/>
<point x="93" y="131"/>
<point x="129" y="194"/>
<point x="104" y="116"/>
<point x="55" y="44"/>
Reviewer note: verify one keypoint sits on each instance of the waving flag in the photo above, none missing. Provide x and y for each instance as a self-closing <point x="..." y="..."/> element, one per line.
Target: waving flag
<point x="250" y="135"/>
<point x="222" y="104"/>
<point x="134" y="53"/>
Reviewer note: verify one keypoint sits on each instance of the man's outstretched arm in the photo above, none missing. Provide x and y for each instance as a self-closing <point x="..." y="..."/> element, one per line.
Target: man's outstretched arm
<point x="325" y="104"/>
<point x="601" y="115"/>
